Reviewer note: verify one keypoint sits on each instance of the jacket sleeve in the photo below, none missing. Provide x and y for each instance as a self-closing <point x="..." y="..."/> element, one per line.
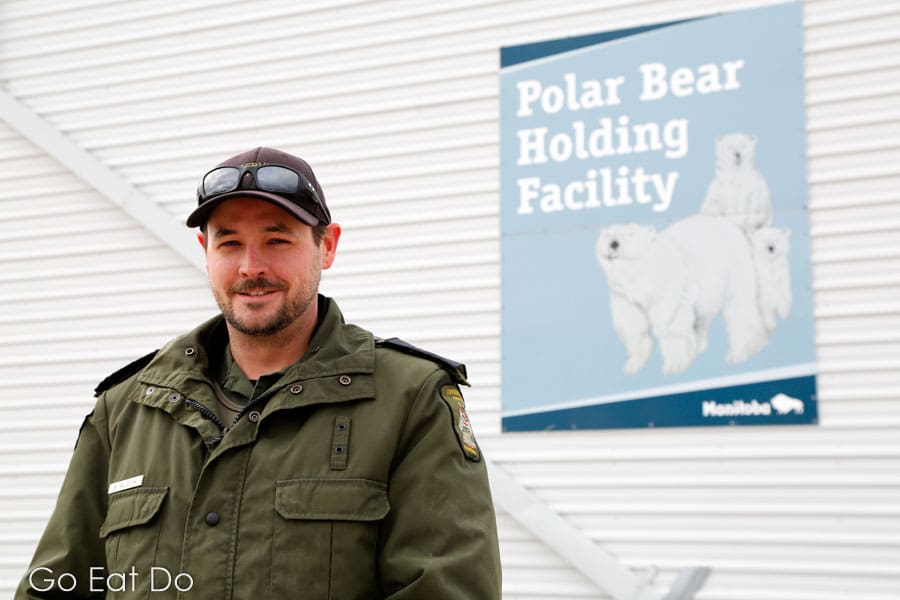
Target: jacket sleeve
<point x="439" y="539"/>
<point x="71" y="542"/>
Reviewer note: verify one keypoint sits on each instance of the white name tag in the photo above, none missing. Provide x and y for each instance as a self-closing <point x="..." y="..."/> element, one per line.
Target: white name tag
<point x="126" y="484"/>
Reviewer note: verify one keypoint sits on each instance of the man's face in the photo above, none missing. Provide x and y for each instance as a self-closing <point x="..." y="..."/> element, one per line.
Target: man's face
<point x="264" y="266"/>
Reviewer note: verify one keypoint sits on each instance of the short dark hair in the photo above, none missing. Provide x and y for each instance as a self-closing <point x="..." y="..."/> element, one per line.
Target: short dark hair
<point x="319" y="233"/>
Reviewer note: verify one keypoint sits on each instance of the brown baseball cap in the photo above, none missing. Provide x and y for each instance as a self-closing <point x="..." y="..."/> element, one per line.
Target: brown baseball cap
<point x="268" y="174"/>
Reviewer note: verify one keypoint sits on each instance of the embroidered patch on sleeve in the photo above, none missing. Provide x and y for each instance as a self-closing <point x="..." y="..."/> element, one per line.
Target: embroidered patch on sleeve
<point x="461" y="425"/>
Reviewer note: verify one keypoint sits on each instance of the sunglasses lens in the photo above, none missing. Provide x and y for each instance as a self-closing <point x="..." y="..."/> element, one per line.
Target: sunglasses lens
<point x="221" y="180"/>
<point x="277" y="179"/>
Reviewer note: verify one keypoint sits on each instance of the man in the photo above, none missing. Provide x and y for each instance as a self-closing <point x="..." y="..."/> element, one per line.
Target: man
<point x="275" y="451"/>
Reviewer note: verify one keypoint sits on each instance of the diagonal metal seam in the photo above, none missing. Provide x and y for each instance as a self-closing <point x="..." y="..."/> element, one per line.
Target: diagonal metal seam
<point x="100" y="177"/>
<point x="600" y="566"/>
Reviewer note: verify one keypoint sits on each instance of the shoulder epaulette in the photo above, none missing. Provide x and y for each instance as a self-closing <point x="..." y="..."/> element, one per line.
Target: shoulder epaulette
<point x="124" y="373"/>
<point x="457" y="369"/>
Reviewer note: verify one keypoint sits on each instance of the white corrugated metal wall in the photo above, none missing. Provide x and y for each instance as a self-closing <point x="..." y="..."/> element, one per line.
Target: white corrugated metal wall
<point x="395" y="104"/>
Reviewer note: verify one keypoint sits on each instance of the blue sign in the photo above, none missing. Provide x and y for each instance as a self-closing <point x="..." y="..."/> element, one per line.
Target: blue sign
<point x="654" y="229"/>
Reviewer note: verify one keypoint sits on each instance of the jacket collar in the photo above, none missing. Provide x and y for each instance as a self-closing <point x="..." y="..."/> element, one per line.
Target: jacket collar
<point x="335" y="348"/>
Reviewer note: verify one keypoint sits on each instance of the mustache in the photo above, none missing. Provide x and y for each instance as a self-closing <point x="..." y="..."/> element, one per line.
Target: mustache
<point x="253" y="285"/>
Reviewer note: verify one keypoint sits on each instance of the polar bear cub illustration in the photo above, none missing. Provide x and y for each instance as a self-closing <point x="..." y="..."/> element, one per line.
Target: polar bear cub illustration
<point x="773" y="274"/>
<point x="738" y="191"/>
<point x="674" y="283"/>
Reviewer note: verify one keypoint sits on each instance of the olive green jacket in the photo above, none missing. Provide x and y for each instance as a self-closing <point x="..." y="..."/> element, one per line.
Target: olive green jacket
<point x="355" y="476"/>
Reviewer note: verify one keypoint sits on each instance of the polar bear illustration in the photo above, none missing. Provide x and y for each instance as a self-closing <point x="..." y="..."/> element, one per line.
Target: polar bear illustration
<point x="784" y="404"/>
<point x="649" y="292"/>
<point x="674" y="283"/>
<point x="773" y="274"/>
<point x="738" y="191"/>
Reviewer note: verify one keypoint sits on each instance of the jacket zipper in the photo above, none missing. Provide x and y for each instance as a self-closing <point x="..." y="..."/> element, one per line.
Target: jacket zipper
<point x="208" y="414"/>
<point x="203" y="410"/>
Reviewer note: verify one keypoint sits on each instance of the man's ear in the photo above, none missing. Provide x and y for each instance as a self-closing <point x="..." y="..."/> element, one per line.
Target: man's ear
<point x="329" y="244"/>
<point x="202" y="239"/>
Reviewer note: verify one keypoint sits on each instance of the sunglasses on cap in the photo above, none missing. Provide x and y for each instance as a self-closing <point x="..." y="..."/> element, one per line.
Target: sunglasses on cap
<point x="275" y="179"/>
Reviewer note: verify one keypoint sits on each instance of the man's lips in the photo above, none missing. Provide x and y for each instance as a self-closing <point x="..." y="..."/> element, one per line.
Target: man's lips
<point x="256" y="294"/>
<point x="258" y="289"/>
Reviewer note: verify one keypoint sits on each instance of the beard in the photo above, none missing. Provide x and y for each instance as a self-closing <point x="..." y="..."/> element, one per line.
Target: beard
<point x="294" y="306"/>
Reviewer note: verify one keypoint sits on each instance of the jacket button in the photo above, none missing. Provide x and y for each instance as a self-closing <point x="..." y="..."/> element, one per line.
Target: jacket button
<point x="344" y="380"/>
<point x="189" y="352"/>
<point x="253" y="415"/>
<point x="212" y="519"/>
<point x="296" y="389"/>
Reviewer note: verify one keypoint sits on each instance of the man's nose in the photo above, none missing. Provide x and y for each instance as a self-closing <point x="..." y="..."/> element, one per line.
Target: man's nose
<point x="252" y="264"/>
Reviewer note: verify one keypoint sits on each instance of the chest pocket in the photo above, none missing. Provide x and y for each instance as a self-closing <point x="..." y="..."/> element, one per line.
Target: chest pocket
<point x="131" y="529"/>
<point x="325" y="537"/>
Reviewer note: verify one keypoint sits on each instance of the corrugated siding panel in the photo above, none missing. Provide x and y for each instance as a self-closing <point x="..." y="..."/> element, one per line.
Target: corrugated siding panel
<point x="395" y="103"/>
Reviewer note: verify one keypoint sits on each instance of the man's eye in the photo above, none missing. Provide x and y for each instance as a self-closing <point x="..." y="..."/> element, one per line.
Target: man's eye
<point x="231" y="243"/>
<point x="278" y="241"/>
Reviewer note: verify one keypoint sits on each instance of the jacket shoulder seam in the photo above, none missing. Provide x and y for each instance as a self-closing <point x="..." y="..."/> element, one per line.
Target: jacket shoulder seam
<point x="457" y="370"/>
<point x="124" y="373"/>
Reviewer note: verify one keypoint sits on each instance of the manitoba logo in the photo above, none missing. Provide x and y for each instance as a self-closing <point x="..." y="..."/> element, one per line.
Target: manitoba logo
<point x="782" y="404"/>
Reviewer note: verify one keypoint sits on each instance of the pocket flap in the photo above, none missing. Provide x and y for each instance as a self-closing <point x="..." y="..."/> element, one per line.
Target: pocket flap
<point x="132" y="507"/>
<point x="332" y="499"/>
